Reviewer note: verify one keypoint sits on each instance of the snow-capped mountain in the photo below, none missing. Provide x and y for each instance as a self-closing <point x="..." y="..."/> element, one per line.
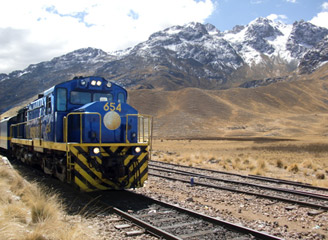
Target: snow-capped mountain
<point x="315" y="57"/>
<point x="261" y="49"/>
<point x="193" y="55"/>
<point x="261" y="37"/>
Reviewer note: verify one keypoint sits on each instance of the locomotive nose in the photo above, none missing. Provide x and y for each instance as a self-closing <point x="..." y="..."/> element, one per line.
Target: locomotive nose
<point x="112" y="120"/>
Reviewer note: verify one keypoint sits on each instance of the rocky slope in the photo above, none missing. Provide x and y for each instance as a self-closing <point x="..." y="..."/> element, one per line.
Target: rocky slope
<point x="193" y="55"/>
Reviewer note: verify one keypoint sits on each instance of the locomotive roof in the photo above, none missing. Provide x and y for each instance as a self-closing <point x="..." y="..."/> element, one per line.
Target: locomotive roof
<point x="77" y="79"/>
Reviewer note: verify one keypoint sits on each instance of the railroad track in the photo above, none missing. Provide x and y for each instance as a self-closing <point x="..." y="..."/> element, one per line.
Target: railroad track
<point x="168" y="221"/>
<point x="153" y="217"/>
<point x="300" y="194"/>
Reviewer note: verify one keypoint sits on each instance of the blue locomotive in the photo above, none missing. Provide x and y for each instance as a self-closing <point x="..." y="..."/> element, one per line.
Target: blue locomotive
<point x="83" y="131"/>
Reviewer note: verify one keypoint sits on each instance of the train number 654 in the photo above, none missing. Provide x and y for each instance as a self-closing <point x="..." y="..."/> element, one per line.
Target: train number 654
<point x="112" y="107"/>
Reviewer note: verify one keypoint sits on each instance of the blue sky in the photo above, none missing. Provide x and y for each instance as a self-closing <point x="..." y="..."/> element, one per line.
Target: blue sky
<point x="39" y="30"/>
<point x="229" y="13"/>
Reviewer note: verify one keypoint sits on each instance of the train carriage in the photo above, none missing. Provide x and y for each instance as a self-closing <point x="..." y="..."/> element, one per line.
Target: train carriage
<point x="84" y="132"/>
<point x="5" y="132"/>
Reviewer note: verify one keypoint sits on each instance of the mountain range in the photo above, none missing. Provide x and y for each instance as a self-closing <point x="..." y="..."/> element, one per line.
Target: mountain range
<point x="195" y="55"/>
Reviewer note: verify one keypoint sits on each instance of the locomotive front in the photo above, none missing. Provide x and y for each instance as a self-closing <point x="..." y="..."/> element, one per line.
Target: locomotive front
<point x="108" y="142"/>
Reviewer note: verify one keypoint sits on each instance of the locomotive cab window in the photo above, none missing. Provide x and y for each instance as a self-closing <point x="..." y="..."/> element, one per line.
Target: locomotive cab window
<point x="61" y="99"/>
<point x="80" y="97"/>
<point x="48" y="104"/>
<point x="103" y="97"/>
<point x="121" y="98"/>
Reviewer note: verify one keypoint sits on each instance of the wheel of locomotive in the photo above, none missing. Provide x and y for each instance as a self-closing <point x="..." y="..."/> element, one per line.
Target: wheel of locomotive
<point x="43" y="164"/>
<point x="20" y="154"/>
<point x="60" y="172"/>
<point x="45" y="168"/>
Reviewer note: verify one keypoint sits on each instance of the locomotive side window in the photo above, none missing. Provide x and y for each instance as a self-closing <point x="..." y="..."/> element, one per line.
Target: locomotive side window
<point x="48" y="105"/>
<point x="61" y="99"/>
<point x="80" y="97"/>
<point x="102" y="97"/>
<point x="121" y="98"/>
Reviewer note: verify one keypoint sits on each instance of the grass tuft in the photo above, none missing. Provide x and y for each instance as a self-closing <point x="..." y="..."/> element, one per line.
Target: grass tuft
<point x="320" y="175"/>
<point x="27" y="212"/>
<point x="44" y="209"/>
<point x="293" y="168"/>
<point x="279" y="163"/>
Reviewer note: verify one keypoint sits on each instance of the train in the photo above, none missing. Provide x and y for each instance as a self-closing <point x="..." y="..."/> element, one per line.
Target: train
<point x="84" y="132"/>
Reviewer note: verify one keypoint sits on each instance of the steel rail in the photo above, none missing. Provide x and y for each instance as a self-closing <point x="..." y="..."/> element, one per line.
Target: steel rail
<point x="285" y="190"/>
<point x="161" y="233"/>
<point x="260" y="178"/>
<point x="150" y="228"/>
<point x="235" y="227"/>
<point x="311" y="205"/>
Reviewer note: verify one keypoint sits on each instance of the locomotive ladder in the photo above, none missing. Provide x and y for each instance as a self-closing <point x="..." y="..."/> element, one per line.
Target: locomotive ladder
<point x="70" y="166"/>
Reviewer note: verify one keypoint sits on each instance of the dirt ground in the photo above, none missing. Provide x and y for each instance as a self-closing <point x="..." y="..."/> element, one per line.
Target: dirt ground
<point x="304" y="160"/>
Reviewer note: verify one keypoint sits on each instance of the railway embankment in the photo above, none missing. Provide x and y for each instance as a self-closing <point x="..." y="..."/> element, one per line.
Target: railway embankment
<point x="36" y="206"/>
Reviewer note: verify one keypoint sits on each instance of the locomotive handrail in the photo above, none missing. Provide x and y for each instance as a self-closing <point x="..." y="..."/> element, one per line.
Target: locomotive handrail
<point x="65" y="128"/>
<point x="16" y="125"/>
<point x="28" y="133"/>
<point x="150" y="127"/>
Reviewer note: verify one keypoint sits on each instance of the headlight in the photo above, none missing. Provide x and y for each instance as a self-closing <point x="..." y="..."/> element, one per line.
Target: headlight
<point x="137" y="149"/>
<point x="109" y="84"/>
<point x="83" y="82"/>
<point x="93" y="82"/>
<point x="99" y="83"/>
<point x="96" y="150"/>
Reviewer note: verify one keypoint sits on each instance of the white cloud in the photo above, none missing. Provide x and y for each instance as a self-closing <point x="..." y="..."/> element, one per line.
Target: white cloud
<point x="322" y="18"/>
<point x="256" y="1"/>
<point x="276" y="17"/>
<point x="291" y="1"/>
<point x="325" y="6"/>
<point x="37" y="30"/>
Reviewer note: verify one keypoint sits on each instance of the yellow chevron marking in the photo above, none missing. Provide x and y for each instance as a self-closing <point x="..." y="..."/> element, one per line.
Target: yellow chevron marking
<point x="85" y="149"/>
<point x="104" y="153"/>
<point x="99" y="180"/>
<point x="113" y="149"/>
<point x="142" y="181"/>
<point x="81" y="185"/>
<point x="98" y="174"/>
<point x="127" y="159"/>
<point x="142" y="168"/>
<point x="89" y="178"/>
<point x="144" y="178"/>
<point x="140" y="158"/>
<point x="99" y="160"/>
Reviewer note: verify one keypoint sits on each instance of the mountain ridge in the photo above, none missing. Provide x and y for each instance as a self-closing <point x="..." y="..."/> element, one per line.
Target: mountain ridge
<point x="193" y="55"/>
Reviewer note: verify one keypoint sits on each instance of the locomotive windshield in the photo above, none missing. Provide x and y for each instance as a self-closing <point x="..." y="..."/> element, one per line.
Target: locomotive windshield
<point x="102" y="97"/>
<point x="80" y="97"/>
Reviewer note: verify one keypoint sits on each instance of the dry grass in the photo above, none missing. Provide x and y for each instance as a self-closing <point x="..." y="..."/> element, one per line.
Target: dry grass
<point x="279" y="163"/>
<point x="293" y="168"/>
<point x="302" y="160"/>
<point x="29" y="213"/>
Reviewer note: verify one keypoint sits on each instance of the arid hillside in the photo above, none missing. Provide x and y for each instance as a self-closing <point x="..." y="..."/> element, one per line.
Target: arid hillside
<point x="296" y="108"/>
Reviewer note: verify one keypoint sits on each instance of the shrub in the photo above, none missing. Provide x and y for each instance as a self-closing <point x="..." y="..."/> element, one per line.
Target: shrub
<point x="293" y="168"/>
<point x="320" y="175"/>
<point x="279" y="164"/>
